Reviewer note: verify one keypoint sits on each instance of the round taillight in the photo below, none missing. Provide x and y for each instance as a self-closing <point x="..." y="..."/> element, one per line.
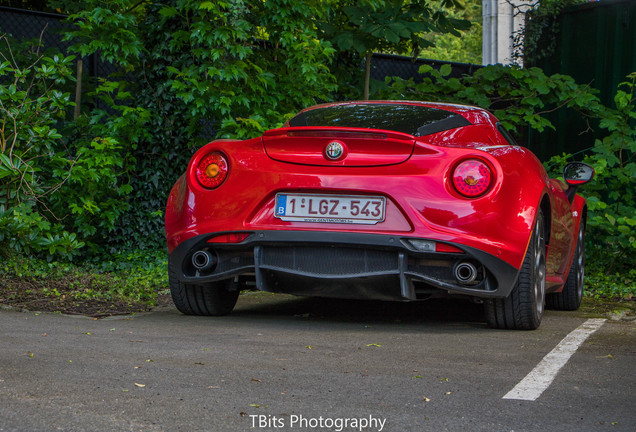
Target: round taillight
<point x="472" y="178"/>
<point x="212" y="170"/>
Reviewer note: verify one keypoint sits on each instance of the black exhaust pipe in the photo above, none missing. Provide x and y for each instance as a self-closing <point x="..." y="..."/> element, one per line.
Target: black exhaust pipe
<point x="465" y="273"/>
<point x="203" y="260"/>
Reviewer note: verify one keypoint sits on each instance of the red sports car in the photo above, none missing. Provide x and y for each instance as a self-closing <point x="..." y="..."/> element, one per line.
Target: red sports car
<point x="379" y="200"/>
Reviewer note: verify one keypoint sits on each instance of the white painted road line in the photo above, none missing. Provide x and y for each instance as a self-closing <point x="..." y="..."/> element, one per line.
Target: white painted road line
<point x="537" y="381"/>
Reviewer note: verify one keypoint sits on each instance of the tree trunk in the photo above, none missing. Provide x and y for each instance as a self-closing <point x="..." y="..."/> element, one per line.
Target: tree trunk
<point x="78" y="90"/>
<point x="367" y="74"/>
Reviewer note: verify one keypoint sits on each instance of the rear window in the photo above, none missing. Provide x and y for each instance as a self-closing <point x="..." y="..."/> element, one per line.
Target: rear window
<point x="416" y="120"/>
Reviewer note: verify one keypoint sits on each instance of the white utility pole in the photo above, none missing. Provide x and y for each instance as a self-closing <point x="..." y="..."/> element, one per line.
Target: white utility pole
<point x="502" y="19"/>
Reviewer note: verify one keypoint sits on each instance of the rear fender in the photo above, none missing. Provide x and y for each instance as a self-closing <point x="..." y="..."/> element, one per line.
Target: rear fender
<point x="509" y="212"/>
<point x="579" y="216"/>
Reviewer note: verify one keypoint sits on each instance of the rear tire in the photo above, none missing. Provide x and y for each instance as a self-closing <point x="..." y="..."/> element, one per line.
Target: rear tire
<point x="523" y="308"/>
<point x="570" y="298"/>
<point x="208" y="299"/>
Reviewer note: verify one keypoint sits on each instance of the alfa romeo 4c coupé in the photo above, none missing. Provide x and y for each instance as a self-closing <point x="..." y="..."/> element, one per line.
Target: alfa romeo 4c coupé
<point x="379" y="200"/>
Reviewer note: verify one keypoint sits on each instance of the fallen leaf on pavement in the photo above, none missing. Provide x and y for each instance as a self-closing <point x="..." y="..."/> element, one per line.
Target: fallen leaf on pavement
<point x="606" y="356"/>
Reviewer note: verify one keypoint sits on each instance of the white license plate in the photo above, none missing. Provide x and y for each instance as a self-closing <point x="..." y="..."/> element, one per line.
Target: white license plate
<point x="351" y="209"/>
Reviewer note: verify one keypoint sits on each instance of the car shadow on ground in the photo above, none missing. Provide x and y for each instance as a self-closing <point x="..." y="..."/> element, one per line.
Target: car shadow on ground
<point x="267" y="305"/>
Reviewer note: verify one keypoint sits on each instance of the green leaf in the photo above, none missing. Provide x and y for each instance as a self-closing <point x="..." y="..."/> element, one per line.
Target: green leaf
<point x="445" y="70"/>
<point x="207" y="5"/>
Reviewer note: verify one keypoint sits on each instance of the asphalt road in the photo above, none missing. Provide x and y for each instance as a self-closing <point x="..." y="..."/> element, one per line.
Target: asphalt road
<point x="281" y="363"/>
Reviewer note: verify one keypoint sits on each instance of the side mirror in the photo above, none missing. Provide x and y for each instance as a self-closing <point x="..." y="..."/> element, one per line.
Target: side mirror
<point x="576" y="174"/>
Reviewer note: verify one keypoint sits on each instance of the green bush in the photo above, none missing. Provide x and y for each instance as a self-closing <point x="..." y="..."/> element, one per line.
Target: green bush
<point x="32" y="104"/>
<point x="92" y="189"/>
<point x="611" y="222"/>
<point x="57" y="193"/>
<point x="24" y="229"/>
<point x="612" y="217"/>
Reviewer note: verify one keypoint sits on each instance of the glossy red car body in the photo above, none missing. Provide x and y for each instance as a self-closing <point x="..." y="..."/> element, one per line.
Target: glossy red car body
<point x="428" y="226"/>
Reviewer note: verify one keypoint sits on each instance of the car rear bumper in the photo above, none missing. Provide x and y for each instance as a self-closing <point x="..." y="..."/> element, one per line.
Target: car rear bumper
<point x="343" y="265"/>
